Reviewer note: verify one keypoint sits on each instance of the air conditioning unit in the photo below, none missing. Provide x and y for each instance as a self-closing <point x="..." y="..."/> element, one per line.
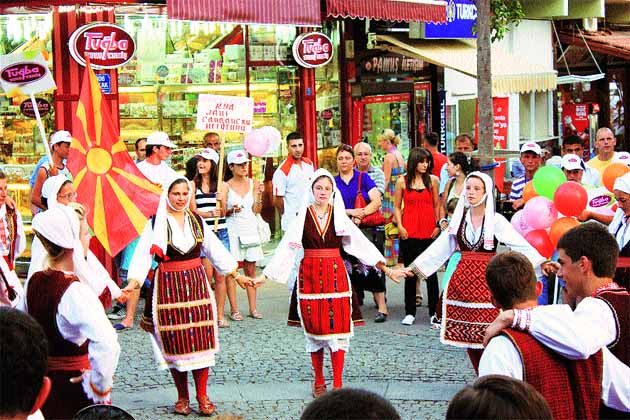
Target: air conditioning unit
<point x="590" y="24"/>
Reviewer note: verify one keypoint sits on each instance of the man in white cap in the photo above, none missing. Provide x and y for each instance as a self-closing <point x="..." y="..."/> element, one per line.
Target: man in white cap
<point x="60" y="149"/>
<point x="531" y="158"/>
<point x="290" y="180"/>
<point x="573" y="145"/>
<point x="600" y="200"/>
<point x="159" y="148"/>
<point x="605" y="142"/>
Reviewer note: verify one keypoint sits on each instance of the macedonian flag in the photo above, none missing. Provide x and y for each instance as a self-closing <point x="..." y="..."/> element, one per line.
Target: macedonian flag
<point x="118" y="197"/>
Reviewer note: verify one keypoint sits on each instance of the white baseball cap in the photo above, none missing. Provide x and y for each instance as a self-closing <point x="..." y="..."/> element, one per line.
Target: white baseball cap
<point x="209" y="154"/>
<point x="622" y="157"/>
<point x="531" y="146"/>
<point x="61" y="136"/>
<point x="571" y="162"/>
<point x="237" y="157"/>
<point x="160" y="138"/>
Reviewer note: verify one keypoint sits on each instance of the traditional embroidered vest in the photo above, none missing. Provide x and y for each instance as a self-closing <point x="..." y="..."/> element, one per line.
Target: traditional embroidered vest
<point x="619" y="302"/>
<point x="45" y="290"/>
<point x="572" y="388"/>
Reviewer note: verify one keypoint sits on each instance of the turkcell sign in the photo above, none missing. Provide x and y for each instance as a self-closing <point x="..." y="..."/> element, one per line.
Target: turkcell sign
<point x="461" y="16"/>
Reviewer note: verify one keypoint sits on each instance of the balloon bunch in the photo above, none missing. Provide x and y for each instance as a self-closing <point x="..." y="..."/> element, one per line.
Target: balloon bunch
<point x="552" y="204"/>
<point x="262" y="141"/>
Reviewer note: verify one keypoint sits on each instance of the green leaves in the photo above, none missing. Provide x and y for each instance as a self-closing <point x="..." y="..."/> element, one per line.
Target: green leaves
<point x="505" y="14"/>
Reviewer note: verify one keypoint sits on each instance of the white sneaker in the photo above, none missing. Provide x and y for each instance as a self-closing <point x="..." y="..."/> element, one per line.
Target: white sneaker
<point x="408" y="320"/>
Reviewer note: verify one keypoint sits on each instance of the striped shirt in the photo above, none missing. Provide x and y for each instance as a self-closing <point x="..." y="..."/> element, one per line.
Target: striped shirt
<point x="378" y="177"/>
<point x="208" y="202"/>
<point x="517" y="188"/>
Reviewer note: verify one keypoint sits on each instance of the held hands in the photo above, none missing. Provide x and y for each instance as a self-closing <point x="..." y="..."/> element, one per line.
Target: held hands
<point x="503" y="321"/>
<point x="124" y="295"/>
<point x="396" y="274"/>
<point x="245" y="281"/>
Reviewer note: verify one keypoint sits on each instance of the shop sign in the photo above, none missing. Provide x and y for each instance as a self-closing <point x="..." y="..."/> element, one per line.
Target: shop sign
<point x="313" y="49"/>
<point x="391" y="64"/>
<point x="43" y="106"/>
<point x="24" y="74"/>
<point x="326" y="114"/>
<point x="107" y="45"/>
<point x="225" y="113"/>
<point x="500" y="108"/>
<point x="104" y="81"/>
<point x="461" y="16"/>
<point x="395" y="97"/>
<point x="442" y="100"/>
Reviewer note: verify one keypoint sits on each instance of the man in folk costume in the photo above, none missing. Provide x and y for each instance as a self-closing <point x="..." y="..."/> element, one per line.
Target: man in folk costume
<point x="12" y="244"/>
<point x="323" y="293"/>
<point x="181" y="312"/>
<point x="586" y="262"/>
<point x="619" y="229"/>
<point x="83" y="346"/>
<point x="475" y="230"/>
<point x="572" y="388"/>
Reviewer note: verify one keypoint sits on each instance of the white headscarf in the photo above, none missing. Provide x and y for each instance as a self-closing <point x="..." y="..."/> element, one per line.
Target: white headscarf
<point x="622" y="184"/>
<point x="51" y="188"/>
<point x="488" y="199"/>
<point x="160" y="227"/>
<point x="60" y="225"/>
<point x="342" y="222"/>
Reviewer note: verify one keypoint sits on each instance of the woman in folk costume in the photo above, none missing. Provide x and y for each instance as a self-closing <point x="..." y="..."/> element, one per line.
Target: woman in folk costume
<point x="60" y="193"/>
<point x="475" y="230"/>
<point x="619" y="229"/>
<point x="83" y="346"/>
<point x="322" y="229"/>
<point x="181" y="314"/>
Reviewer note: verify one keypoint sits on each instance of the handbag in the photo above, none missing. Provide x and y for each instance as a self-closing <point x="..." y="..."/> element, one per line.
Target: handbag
<point x="371" y="220"/>
<point x="264" y="232"/>
<point x="391" y="231"/>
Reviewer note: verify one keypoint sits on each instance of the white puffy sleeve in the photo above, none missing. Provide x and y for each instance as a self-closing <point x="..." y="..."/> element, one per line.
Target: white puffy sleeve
<point x="357" y="245"/>
<point x="287" y="255"/>
<point x="142" y="257"/>
<point x="220" y="257"/>
<point x="77" y="322"/>
<point x="435" y="255"/>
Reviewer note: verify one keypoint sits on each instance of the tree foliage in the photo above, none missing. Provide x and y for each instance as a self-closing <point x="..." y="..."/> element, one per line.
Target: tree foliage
<point x="505" y="14"/>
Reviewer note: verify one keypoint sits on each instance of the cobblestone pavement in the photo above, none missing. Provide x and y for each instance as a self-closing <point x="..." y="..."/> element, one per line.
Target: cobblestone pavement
<point x="263" y="371"/>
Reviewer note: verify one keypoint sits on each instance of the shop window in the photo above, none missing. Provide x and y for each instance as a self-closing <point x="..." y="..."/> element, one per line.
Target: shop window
<point x="617" y="111"/>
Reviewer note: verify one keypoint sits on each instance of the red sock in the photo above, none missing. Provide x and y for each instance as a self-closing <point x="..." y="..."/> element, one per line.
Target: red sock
<point x="181" y="383"/>
<point x="337" y="365"/>
<point x="201" y="381"/>
<point x="317" y="360"/>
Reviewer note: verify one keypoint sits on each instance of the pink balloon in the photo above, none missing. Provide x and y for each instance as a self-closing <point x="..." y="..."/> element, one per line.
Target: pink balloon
<point x="540" y="213"/>
<point x="255" y="143"/>
<point x="519" y="223"/>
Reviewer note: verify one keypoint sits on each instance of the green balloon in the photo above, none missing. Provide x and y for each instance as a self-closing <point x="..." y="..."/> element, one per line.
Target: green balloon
<point x="547" y="179"/>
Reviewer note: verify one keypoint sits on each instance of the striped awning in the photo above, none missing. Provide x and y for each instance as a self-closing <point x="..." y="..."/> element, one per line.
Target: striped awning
<point x="273" y="12"/>
<point x="394" y="10"/>
<point x="510" y="73"/>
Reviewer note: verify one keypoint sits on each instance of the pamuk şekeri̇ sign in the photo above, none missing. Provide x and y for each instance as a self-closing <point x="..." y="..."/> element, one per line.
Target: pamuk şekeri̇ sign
<point x="107" y="45"/>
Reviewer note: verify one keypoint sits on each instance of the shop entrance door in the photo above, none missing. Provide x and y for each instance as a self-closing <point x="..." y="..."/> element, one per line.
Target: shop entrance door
<point x="422" y="93"/>
<point x="386" y="111"/>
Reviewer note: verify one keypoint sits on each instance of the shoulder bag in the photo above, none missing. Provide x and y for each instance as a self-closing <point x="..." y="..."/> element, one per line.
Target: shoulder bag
<point x="371" y="220"/>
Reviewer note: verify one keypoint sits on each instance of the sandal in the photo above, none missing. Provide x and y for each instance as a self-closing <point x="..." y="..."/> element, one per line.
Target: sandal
<point x="222" y="323"/>
<point x="182" y="407"/>
<point x="418" y="300"/>
<point x="255" y="314"/>
<point x="205" y="406"/>
<point x="236" y="316"/>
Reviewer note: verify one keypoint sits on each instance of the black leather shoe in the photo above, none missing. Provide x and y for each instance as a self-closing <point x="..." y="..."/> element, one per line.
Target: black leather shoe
<point x="380" y="317"/>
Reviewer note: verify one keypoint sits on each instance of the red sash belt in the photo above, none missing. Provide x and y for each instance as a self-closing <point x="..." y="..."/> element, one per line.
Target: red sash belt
<point x="477" y="256"/>
<point x="68" y="362"/>
<point x="623" y="262"/>
<point x="322" y="253"/>
<point x="180" y="265"/>
<point x="9" y="263"/>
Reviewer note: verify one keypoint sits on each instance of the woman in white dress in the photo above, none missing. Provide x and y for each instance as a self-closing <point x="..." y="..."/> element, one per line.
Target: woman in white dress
<point x="181" y="314"/>
<point x="244" y="201"/>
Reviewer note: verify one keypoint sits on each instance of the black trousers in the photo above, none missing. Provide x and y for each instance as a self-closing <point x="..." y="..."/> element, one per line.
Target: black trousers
<point x="410" y="249"/>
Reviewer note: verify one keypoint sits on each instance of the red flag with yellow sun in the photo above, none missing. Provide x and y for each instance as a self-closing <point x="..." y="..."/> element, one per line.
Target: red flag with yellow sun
<point x="118" y="197"/>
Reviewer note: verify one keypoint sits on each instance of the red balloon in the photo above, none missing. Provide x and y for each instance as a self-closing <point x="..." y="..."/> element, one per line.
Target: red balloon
<point x="560" y="227"/>
<point x="570" y="198"/>
<point x="612" y="172"/>
<point x="540" y="240"/>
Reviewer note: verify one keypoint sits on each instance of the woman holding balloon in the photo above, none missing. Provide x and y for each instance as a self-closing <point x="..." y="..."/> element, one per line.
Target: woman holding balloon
<point x="475" y="230"/>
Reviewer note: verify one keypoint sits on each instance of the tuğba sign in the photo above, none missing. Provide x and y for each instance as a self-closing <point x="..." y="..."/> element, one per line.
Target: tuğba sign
<point x="313" y="49"/>
<point x="108" y="46"/>
<point x="43" y="106"/>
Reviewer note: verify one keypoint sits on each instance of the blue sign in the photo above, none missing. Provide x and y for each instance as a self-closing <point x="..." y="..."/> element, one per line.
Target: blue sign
<point x="461" y="16"/>
<point x="104" y="82"/>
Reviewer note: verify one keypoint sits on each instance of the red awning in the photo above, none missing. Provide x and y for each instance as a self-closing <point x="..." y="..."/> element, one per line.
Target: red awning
<point x="396" y="10"/>
<point x="615" y="43"/>
<point x="279" y="12"/>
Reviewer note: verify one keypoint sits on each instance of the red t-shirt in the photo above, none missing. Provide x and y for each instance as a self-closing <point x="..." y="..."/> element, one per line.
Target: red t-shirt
<point x="438" y="161"/>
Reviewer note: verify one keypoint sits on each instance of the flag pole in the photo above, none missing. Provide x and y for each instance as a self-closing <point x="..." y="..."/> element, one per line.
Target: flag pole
<point x="42" y="132"/>
<point x="220" y="176"/>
